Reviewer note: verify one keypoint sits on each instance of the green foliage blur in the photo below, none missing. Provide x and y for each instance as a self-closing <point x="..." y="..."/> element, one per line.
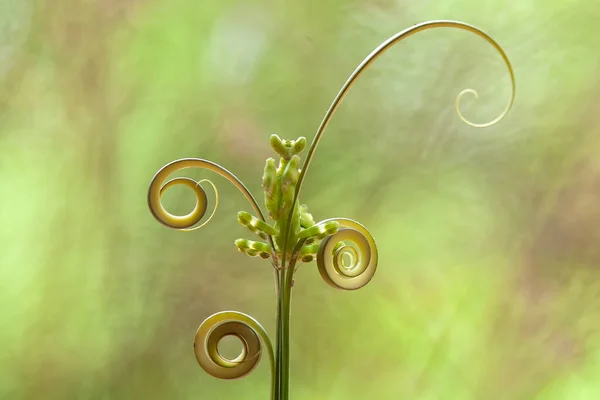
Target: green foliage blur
<point x="488" y="285"/>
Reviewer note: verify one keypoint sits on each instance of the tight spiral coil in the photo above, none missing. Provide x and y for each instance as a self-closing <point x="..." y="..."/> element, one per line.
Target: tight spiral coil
<point x="361" y="253"/>
<point x="187" y="222"/>
<point x="231" y="323"/>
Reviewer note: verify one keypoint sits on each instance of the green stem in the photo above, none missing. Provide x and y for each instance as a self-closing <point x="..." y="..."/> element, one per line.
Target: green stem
<point x="285" y="343"/>
<point x="279" y="359"/>
<point x="286" y="314"/>
<point x="282" y="364"/>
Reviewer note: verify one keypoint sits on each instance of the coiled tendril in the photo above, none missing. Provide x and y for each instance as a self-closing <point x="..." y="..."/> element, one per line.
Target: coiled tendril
<point x="186" y="222"/>
<point x="362" y="253"/>
<point x="242" y="326"/>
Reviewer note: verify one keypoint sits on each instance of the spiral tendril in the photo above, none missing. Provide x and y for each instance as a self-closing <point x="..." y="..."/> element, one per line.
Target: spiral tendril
<point x="242" y="326"/>
<point x="362" y="255"/>
<point x="382" y="48"/>
<point x="389" y="43"/>
<point x="201" y="201"/>
<point x="466" y="121"/>
<point x="186" y="222"/>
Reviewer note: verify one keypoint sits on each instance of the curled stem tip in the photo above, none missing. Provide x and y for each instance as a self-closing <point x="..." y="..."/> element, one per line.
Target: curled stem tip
<point x="187" y="222"/>
<point x="231" y="323"/>
<point x="382" y="48"/>
<point x="361" y="256"/>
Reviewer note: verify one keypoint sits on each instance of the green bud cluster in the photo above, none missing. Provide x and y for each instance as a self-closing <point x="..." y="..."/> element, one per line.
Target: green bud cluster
<point x="279" y="187"/>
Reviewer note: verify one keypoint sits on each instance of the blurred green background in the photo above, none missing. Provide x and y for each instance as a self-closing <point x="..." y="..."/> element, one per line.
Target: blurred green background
<point x="488" y="285"/>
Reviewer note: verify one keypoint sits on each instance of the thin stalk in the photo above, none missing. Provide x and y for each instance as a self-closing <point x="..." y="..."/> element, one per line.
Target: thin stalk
<point x="285" y="343"/>
<point x="286" y="313"/>
<point x="280" y="337"/>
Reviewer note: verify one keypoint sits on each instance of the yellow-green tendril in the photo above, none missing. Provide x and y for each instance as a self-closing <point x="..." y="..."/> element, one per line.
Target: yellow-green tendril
<point x="186" y="222"/>
<point x="382" y="48"/>
<point x="201" y="200"/>
<point x="361" y="254"/>
<point x="247" y="330"/>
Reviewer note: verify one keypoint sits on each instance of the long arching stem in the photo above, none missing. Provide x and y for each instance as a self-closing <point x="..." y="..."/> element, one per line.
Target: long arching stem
<point x="376" y="54"/>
